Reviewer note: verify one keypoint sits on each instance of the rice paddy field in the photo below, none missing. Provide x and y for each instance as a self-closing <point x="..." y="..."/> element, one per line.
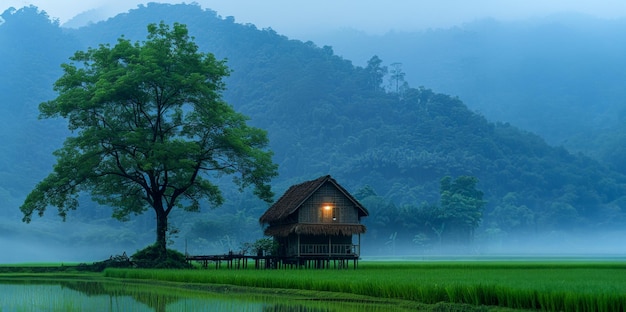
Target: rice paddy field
<point x="585" y="285"/>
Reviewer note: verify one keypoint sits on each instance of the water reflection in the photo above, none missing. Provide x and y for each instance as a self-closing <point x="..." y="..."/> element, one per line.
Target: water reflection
<point x="85" y="295"/>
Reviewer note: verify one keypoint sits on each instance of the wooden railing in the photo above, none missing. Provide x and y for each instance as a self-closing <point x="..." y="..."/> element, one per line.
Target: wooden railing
<point x="326" y="249"/>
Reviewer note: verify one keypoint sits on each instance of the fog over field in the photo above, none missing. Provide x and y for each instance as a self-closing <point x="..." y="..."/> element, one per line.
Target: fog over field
<point x="609" y="245"/>
<point x="73" y="241"/>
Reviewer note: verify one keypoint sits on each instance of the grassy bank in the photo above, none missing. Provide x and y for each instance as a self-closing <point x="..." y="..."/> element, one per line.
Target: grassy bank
<point x="553" y="286"/>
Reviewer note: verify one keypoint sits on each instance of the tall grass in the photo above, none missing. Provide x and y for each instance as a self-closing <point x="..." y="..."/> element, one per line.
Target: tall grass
<point x="583" y="286"/>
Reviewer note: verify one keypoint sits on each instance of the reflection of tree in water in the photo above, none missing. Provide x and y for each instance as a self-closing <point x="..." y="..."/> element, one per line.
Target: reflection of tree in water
<point x="88" y="288"/>
<point x="159" y="298"/>
<point x="157" y="301"/>
<point x="153" y="299"/>
<point x="281" y="307"/>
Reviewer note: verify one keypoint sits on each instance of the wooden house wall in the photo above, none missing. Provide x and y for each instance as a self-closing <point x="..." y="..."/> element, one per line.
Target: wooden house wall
<point x="342" y="211"/>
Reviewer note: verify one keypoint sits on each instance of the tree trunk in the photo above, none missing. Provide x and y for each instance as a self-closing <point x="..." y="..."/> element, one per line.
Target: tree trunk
<point x="161" y="233"/>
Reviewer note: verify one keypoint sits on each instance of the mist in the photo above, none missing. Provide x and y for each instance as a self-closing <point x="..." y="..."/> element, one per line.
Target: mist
<point x="50" y="240"/>
<point x="39" y="251"/>
<point x="557" y="245"/>
<point x="302" y="20"/>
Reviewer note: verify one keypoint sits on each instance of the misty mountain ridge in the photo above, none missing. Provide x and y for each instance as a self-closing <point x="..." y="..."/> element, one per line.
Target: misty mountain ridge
<point x="559" y="76"/>
<point x="323" y="116"/>
<point x="86" y="18"/>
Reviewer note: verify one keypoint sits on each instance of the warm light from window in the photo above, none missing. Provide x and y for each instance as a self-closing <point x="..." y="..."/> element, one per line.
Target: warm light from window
<point x="328" y="207"/>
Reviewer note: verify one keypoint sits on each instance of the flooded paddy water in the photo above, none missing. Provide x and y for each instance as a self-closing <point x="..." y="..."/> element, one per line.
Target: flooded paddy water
<point x="24" y="294"/>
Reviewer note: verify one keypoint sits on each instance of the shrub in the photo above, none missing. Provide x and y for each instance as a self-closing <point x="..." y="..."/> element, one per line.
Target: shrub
<point x="150" y="257"/>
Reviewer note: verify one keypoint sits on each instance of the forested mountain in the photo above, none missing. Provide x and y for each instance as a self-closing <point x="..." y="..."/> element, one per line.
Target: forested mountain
<point x="559" y="76"/>
<point x="324" y="115"/>
<point x="31" y="44"/>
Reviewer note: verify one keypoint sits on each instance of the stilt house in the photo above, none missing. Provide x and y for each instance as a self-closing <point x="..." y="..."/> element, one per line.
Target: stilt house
<point x="317" y="218"/>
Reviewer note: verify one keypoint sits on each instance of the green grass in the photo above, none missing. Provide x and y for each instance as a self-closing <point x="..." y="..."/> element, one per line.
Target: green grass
<point x="40" y="268"/>
<point x="554" y="286"/>
<point x="40" y="264"/>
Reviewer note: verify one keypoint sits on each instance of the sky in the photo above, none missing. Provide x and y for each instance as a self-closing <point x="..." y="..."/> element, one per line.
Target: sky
<point x="297" y="18"/>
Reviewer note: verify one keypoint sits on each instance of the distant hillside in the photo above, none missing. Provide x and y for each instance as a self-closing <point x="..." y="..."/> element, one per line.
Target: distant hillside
<point x="32" y="50"/>
<point x="561" y="76"/>
<point x="323" y="116"/>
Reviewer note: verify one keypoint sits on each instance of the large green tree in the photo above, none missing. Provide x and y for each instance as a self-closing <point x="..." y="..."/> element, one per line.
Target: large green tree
<point x="461" y="207"/>
<point x="150" y="131"/>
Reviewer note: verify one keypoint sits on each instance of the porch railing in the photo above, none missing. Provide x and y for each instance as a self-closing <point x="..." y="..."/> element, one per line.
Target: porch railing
<point x="331" y="250"/>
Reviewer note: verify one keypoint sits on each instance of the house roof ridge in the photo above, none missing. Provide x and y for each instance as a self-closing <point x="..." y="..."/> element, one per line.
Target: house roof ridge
<point x="297" y="194"/>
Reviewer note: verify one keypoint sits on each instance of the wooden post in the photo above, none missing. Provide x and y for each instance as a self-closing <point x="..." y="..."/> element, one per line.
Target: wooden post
<point x="358" y="253"/>
<point x="330" y="245"/>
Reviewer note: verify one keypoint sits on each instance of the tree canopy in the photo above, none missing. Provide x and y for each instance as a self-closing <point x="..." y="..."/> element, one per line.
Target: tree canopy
<point x="461" y="205"/>
<point x="150" y="131"/>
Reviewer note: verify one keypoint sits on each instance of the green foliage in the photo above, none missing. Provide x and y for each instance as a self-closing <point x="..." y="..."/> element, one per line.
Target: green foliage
<point x="118" y="261"/>
<point x="375" y="72"/>
<point x="151" y="131"/>
<point x="153" y="257"/>
<point x="544" y="75"/>
<point x="429" y="226"/>
<point x="461" y="207"/>
<point x="512" y="216"/>
<point x="262" y="246"/>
